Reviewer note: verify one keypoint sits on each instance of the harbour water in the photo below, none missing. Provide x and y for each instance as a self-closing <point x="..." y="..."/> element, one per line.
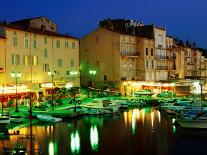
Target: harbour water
<point x="136" y="131"/>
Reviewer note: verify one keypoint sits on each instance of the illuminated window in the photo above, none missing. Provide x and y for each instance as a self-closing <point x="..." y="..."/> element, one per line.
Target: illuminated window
<point x="15" y="59"/>
<point x="46" y="67"/>
<point x="60" y="62"/>
<point x="58" y="43"/>
<point x="26" y="60"/>
<point x="34" y="60"/>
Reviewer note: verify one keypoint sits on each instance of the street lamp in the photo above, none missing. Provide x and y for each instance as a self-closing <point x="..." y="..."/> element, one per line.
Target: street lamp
<point x="16" y="75"/>
<point x="52" y="74"/>
<point x="92" y="73"/>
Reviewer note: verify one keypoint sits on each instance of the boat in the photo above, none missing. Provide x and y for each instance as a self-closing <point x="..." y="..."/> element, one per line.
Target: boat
<point x="46" y="118"/>
<point x="16" y="119"/>
<point x="101" y="106"/>
<point x="4" y="120"/>
<point x="198" y="123"/>
<point x="122" y="103"/>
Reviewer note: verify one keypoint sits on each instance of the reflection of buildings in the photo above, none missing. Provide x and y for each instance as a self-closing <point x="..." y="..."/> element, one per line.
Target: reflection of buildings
<point x="33" y="47"/>
<point x="125" y="52"/>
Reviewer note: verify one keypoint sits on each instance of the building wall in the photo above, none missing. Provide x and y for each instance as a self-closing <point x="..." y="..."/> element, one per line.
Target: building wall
<point x="145" y="60"/>
<point x="100" y="51"/>
<point x="35" y="70"/>
<point x="161" y="54"/>
<point x="128" y="57"/>
<point x="2" y="59"/>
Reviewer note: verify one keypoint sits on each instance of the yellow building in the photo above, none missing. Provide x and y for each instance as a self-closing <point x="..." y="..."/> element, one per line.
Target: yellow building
<point x="34" y="51"/>
<point x="120" y="60"/>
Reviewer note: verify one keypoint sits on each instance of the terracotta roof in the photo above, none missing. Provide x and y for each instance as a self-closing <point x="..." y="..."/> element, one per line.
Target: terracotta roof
<point x="36" y="31"/>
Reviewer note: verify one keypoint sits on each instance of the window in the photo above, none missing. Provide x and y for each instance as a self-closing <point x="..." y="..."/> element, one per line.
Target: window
<point x="15" y="39"/>
<point x="45" y="53"/>
<point x="58" y="43"/>
<point x="66" y="44"/>
<point x="152" y="64"/>
<point x="152" y="52"/>
<point x="60" y="63"/>
<point x="97" y="63"/>
<point x="146" y="63"/>
<point x="105" y="77"/>
<point x="35" y="44"/>
<point x="146" y="51"/>
<point x="26" y="42"/>
<point x="26" y="60"/>
<point x="34" y="60"/>
<point x="160" y="40"/>
<point x="45" y="40"/>
<point x="46" y="68"/>
<point x="15" y="59"/>
<point x="73" y="45"/>
<point x="72" y="63"/>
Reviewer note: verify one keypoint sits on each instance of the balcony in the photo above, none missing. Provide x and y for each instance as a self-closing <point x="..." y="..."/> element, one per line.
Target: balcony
<point x="162" y="57"/>
<point x="190" y="63"/>
<point x="162" y="67"/>
<point x="124" y="53"/>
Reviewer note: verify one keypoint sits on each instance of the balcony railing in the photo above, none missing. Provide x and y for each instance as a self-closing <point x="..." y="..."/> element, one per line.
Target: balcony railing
<point x="162" y="67"/>
<point x="161" y="57"/>
<point x="123" y="53"/>
<point x="190" y="63"/>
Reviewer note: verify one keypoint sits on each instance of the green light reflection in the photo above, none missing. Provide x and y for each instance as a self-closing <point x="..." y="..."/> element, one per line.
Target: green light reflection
<point x="94" y="138"/>
<point x="51" y="149"/>
<point x="133" y="121"/>
<point x="174" y="129"/>
<point x="75" y="142"/>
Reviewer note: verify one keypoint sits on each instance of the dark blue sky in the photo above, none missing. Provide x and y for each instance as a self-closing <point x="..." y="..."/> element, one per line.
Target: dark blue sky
<point x="186" y="19"/>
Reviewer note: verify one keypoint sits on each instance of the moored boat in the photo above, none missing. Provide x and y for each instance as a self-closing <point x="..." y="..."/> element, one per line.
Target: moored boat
<point x="46" y="118"/>
<point x="16" y="119"/>
<point x="4" y="120"/>
<point x="101" y="106"/>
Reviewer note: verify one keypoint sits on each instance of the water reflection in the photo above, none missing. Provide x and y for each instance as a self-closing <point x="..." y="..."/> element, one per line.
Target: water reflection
<point x="94" y="138"/>
<point x="75" y="142"/>
<point x="137" y="131"/>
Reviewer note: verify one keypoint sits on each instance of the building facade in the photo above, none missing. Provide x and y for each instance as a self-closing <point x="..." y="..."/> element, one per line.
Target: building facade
<point x="34" y="52"/>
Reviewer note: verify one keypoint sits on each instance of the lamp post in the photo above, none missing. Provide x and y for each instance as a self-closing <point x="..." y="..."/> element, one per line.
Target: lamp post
<point x="92" y="73"/>
<point x="16" y="75"/>
<point x="52" y="74"/>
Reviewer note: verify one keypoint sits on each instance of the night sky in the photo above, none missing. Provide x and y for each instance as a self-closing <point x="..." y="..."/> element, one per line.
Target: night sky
<point x="185" y="19"/>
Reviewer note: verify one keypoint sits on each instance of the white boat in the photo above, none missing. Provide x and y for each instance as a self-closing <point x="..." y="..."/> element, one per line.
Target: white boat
<point x="101" y="106"/>
<point x="46" y="118"/>
<point x="122" y="104"/>
<point x="192" y="123"/>
<point x="4" y="120"/>
<point x="16" y="119"/>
